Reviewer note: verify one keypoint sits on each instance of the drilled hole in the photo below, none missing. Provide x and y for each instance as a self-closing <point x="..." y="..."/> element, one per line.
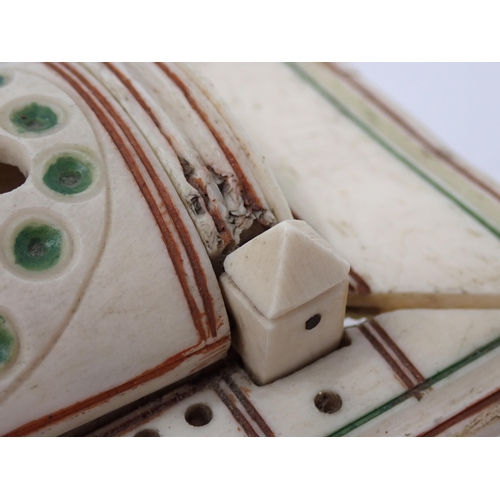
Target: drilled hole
<point x="38" y="247"/>
<point x="69" y="175"/>
<point x="10" y="178"/>
<point x="33" y="117"/>
<point x="313" y="321"/>
<point x="147" y="433"/>
<point x="328" y="402"/>
<point x="198" y="415"/>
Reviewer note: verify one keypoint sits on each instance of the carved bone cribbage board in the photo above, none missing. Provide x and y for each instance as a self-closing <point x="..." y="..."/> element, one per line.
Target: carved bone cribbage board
<point x="420" y="230"/>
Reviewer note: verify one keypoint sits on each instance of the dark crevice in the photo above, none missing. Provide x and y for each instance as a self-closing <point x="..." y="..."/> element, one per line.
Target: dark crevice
<point x="10" y="178"/>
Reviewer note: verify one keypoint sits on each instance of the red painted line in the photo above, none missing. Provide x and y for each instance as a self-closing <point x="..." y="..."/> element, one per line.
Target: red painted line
<point x="238" y="416"/>
<point x="105" y="396"/>
<point x="219" y="221"/>
<point x="387" y="357"/>
<point x="468" y="412"/>
<point x="404" y="124"/>
<point x="397" y="351"/>
<point x="250" y="198"/>
<point x="151" y="412"/>
<point x="249" y="407"/>
<point x="198" y="271"/>
<point x="362" y="287"/>
<point x="167" y="236"/>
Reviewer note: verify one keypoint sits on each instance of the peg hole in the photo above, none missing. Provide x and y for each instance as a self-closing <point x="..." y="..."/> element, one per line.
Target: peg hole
<point x="198" y="415"/>
<point x="328" y="402"/>
<point x="147" y="433"/>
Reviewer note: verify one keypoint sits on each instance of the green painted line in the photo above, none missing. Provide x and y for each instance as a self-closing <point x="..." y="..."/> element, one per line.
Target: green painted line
<point x="345" y="111"/>
<point x="478" y="353"/>
<point x="495" y="231"/>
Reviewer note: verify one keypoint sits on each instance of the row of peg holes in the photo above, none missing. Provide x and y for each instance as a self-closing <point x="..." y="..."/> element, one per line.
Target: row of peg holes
<point x="199" y="415"/>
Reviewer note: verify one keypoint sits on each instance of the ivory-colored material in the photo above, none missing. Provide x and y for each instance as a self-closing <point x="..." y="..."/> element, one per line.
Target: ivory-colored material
<point x="218" y="423"/>
<point x="139" y="184"/>
<point x="285" y="407"/>
<point x="457" y="352"/>
<point x="410" y="240"/>
<point x="129" y="302"/>
<point x="404" y="373"/>
<point x="207" y="160"/>
<point x="286" y="290"/>
<point x="437" y="339"/>
<point x="285" y="267"/>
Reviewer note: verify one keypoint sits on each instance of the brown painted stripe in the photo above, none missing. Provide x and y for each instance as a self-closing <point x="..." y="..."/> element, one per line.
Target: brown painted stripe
<point x="167" y="236"/>
<point x="397" y="351"/>
<point x="151" y="412"/>
<point x="403" y="123"/>
<point x="198" y="271"/>
<point x="105" y="396"/>
<point x="248" y="193"/>
<point x="468" y="412"/>
<point x="194" y="259"/>
<point x="238" y="416"/>
<point x="387" y="357"/>
<point x="362" y="286"/>
<point x="251" y="410"/>
<point x="137" y="96"/>
<point x="220" y="223"/>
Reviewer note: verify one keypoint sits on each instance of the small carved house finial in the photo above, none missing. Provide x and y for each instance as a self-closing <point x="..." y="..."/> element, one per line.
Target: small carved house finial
<point x="287" y="290"/>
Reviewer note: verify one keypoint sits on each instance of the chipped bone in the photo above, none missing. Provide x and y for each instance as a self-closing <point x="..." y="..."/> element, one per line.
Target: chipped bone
<point x="222" y="205"/>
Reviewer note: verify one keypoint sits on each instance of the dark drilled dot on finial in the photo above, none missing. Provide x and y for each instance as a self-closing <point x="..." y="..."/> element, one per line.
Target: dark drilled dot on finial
<point x="313" y="321"/>
<point x="328" y="402"/>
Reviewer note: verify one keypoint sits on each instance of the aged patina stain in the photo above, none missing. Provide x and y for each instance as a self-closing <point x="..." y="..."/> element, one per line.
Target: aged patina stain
<point x="38" y="247"/>
<point x="7" y="343"/>
<point x="33" y="118"/>
<point x="68" y="175"/>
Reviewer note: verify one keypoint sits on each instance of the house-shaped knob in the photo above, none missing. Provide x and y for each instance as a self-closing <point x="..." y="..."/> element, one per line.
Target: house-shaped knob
<point x="286" y="290"/>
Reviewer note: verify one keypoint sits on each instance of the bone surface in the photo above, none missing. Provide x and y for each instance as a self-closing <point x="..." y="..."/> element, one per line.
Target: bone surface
<point x="411" y="240"/>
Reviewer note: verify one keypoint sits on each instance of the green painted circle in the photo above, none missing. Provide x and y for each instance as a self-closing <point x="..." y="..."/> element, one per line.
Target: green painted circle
<point x="68" y="175"/>
<point x="33" y="118"/>
<point x="2" y="80"/>
<point x="38" y="247"/>
<point x="7" y="343"/>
